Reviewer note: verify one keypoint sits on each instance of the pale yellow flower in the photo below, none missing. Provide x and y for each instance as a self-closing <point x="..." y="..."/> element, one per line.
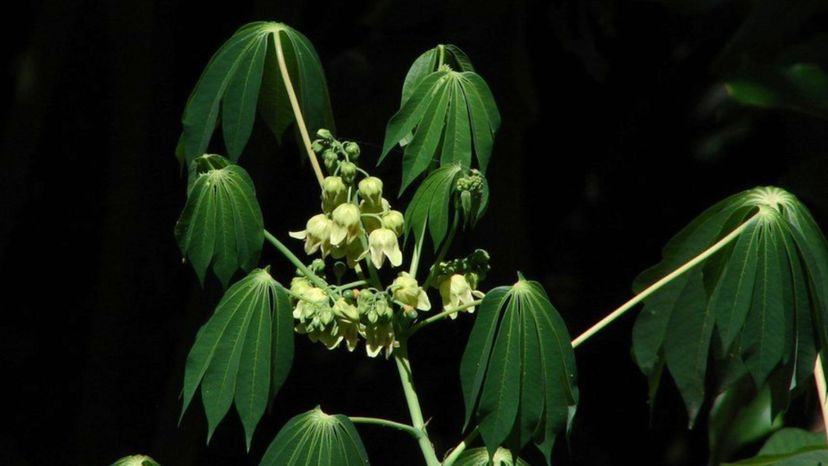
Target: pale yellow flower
<point x="383" y="243"/>
<point x="316" y="234"/>
<point x="346" y="224"/>
<point x="406" y="290"/>
<point x="457" y="292"/>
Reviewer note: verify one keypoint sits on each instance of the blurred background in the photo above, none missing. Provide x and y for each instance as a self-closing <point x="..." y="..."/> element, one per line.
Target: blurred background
<point x="621" y="122"/>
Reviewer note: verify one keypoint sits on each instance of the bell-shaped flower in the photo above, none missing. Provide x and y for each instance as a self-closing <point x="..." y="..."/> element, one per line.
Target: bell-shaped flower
<point x="370" y="190"/>
<point x="382" y="243"/>
<point x="406" y="290"/>
<point x="346" y="224"/>
<point x="379" y="336"/>
<point x="316" y="234"/>
<point x="457" y="292"/>
<point x="353" y="252"/>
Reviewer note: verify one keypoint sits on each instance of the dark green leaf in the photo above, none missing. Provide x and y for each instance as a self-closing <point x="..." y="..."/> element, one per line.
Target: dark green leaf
<point x="232" y="82"/>
<point x="221" y="223"/>
<point x="791" y="447"/>
<point x="316" y="438"/>
<point x="430" y="205"/>
<point x="235" y="353"/>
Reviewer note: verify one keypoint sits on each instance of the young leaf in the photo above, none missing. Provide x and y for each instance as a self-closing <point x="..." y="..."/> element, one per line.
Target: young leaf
<point x="430" y="61"/>
<point x="231" y="88"/>
<point x="518" y="370"/>
<point x="135" y="460"/>
<point x="430" y="205"/>
<point x="319" y="439"/>
<point x="221" y="224"/>
<point x="447" y="110"/>
<point x="235" y="352"/>
<point x="765" y="295"/>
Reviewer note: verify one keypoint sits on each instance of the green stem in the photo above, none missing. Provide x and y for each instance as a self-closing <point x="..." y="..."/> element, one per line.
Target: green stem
<point x="297" y="111"/>
<point x="442" y="55"/>
<point x="386" y="423"/>
<point x="441" y="316"/>
<point x="407" y="380"/>
<point x="444" y="249"/>
<point x="819" y="377"/>
<point x="665" y="280"/>
<point x="295" y="260"/>
<point x="461" y="447"/>
<point x="418" y="250"/>
<point x="355" y="284"/>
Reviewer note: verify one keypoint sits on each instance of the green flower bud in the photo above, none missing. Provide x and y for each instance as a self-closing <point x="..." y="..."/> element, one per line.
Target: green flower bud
<point x="318" y="145"/>
<point x="346" y="224"/>
<point x="300" y="285"/>
<point x="406" y="290"/>
<point x="324" y="134"/>
<point x="317" y="266"/>
<point x="394" y="221"/>
<point x="348" y="171"/>
<point x="370" y="189"/>
<point x="334" y="193"/>
<point x="352" y="149"/>
<point x="339" y="268"/>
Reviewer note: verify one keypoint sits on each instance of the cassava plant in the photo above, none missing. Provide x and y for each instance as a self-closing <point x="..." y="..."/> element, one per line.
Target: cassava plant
<point x="736" y="310"/>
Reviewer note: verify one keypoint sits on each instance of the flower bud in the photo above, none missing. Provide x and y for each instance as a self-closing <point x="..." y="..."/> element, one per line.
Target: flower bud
<point x="318" y="145"/>
<point x="324" y="134"/>
<point x="334" y="193"/>
<point x="346" y="311"/>
<point x="370" y="189"/>
<point x="406" y="290"/>
<point x="382" y="243"/>
<point x="352" y="149"/>
<point x="347" y="170"/>
<point x="394" y="221"/>
<point x="346" y="224"/>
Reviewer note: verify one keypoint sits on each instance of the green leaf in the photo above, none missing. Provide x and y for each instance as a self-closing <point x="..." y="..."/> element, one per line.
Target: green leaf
<point x="221" y="224"/>
<point x="735" y="424"/>
<point x="136" y="460"/>
<point x="316" y="438"/>
<point x="230" y="89"/>
<point x="764" y="292"/>
<point x="791" y="447"/>
<point x="480" y="457"/>
<point x="447" y="111"/>
<point x="800" y="87"/>
<point x="430" y="205"/>
<point x="428" y="63"/>
<point x="235" y="352"/>
<point x="518" y="370"/>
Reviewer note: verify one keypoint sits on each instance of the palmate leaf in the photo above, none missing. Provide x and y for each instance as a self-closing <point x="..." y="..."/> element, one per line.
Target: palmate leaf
<point x="221" y="224"/>
<point x="430" y="206"/>
<point x="756" y="307"/>
<point x="243" y="75"/>
<point x="136" y="460"/>
<point x="243" y="353"/>
<point x="518" y="370"/>
<point x="430" y="62"/>
<point x="450" y="112"/>
<point x="319" y="439"/>
<point x="480" y="457"/>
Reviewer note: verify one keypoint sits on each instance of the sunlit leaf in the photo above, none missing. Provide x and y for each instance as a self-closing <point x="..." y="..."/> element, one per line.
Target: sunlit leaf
<point x="518" y="370"/>
<point x="136" y="460"/>
<point x="319" y="439"/>
<point x="450" y="112"/>
<point x="761" y="298"/>
<point x="244" y="75"/>
<point x="234" y="357"/>
<point x="430" y="208"/>
<point x="221" y="225"/>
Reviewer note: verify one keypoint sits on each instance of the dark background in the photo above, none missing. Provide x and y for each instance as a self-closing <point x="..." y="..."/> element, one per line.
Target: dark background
<point x="616" y="132"/>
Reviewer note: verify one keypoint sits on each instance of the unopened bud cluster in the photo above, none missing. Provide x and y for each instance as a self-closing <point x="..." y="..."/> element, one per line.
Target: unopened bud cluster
<point x="471" y="191"/>
<point x="340" y="158"/>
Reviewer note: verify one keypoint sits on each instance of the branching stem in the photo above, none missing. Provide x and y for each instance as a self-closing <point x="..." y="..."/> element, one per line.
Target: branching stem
<point x="295" y="260"/>
<point x="297" y="111"/>
<point x="461" y="447"/>
<point x="441" y="316"/>
<point x="665" y="280"/>
<point x="386" y="423"/>
<point x="407" y="380"/>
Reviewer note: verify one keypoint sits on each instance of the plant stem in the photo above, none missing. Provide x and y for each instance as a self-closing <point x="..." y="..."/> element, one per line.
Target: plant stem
<point x="444" y="249"/>
<point x="355" y="284"/>
<point x="655" y="286"/>
<point x="441" y="316"/>
<point x="461" y="447"/>
<point x="297" y="111"/>
<point x="295" y="261"/>
<point x="442" y="55"/>
<point x="386" y="423"/>
<point x="415" y="255"/>
<point x="819" y="376"/>
<point x="407" y="379"/>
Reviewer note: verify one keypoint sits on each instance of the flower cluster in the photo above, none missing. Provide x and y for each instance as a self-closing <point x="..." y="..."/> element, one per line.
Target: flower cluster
<point x="458" y="279"/>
